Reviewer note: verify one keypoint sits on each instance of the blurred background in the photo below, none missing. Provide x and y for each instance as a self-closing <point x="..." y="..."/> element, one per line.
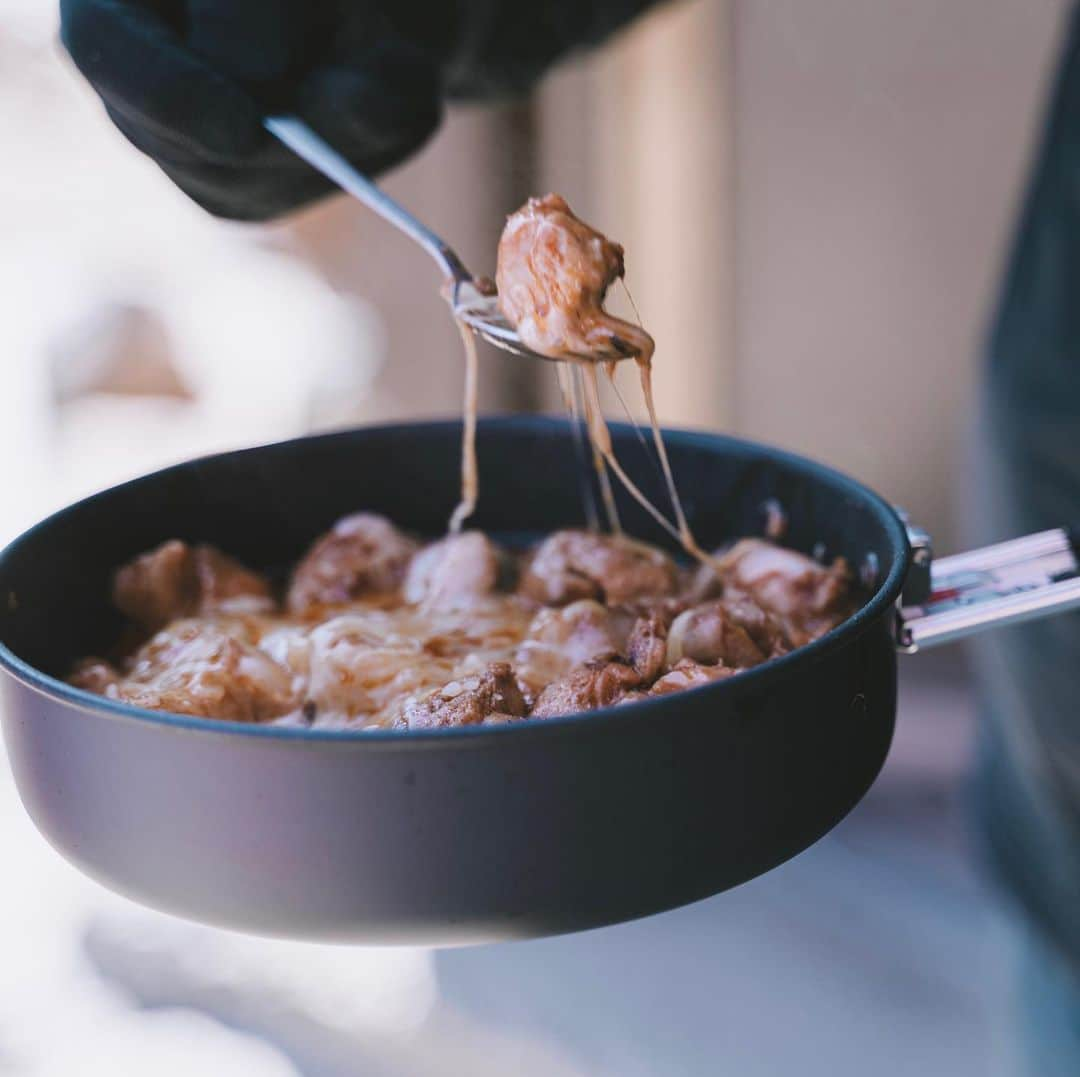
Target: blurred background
<point x="815" y="199"/>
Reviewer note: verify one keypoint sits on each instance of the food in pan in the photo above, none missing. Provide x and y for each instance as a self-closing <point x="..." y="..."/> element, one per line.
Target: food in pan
<point x="378" y="630"/>
<point x="375" y="629"/>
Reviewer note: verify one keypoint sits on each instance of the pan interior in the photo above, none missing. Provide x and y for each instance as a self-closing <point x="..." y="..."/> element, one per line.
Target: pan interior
<point x="265" y="505"/>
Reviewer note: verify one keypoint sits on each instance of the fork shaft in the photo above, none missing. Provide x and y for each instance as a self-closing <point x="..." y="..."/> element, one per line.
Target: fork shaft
<point x="306" y="144"/>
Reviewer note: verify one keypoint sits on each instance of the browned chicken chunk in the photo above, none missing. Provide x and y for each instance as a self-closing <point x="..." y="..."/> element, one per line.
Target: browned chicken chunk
<point x="178" y="580"/>
<point x="598" y="684"/>
<point x="362" y="554"/>
<point x="493" y="694"/>
<point x="582" y="631"/>
<point x="708" y="633"/>
<point x="553" y="274"/>
<point x="803" y="596"/>
<point x="570" y="565"/>
<point x="195" y="667"/>
<point x="562" y="639"/>
<point x="382" y="632"/>
<point x="766" y="632"/>
<point x="601" y="683"/>
<point x="94" y="675"/>
<point x="450" y="573"/>
<point x="686" y="673"/>
<point x="647" y="648"/>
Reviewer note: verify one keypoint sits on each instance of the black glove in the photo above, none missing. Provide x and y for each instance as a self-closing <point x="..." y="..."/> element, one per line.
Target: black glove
<point x="187" y="81"/>
<point x="491" y="48"/>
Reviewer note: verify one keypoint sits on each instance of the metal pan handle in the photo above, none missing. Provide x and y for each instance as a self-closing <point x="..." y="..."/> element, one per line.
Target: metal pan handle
<point x="955" y="597"/>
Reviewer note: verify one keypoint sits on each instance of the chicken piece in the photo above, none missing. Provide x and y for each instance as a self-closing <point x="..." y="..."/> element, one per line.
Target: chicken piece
<point x="226" y="585"/>
<point x="94" y="675"/>
<point x="571" y="565"/>
<point x="178" y="580"/>
<point x="563" y="639"/>
<point x="686" y="673"/>
<point x="362" y="554"/>
<point x="804" y="597"/>
<point x="591" y="674"/>
<point x="492" y="696"/>
<point x="451" y="573"/>
<point x="647" y="648"/>
<point x="666" y="607"/>
<point x="709" y="633"/>
<point x="553" y="274"/>
<point x="582" y="631"/>
<point x="766" y="632"/>
<point x="597" y="684"/>
<point x="157" y="586"/>
<point x="197" y="667"/>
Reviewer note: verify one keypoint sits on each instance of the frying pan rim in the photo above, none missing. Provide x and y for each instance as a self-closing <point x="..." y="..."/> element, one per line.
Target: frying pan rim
<point x="595" y="721"/>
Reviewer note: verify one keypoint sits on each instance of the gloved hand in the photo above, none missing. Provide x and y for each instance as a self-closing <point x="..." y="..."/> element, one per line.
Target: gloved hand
<point x="187" y="81"/>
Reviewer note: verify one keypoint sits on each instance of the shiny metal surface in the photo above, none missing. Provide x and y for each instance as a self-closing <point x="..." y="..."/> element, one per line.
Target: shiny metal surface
<point x="318" y="153"/>
<point x="1053" y="543"/>
<point x="1007" y="583"/>
<point x="918" y="631"/>
<point x="482" y="314"/>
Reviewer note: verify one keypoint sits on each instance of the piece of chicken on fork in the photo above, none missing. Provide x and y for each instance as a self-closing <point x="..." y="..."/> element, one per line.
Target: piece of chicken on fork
<point x="553" y="275"/>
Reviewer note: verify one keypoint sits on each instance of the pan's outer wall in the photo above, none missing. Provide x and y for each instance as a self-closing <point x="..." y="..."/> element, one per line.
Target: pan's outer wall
<point x="461" y="837"/>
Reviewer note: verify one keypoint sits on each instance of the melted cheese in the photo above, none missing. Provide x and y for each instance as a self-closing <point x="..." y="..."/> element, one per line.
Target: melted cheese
<point x="358" y="668"/>
<point x="553" y="274"/>
<point x="470" y="479"/>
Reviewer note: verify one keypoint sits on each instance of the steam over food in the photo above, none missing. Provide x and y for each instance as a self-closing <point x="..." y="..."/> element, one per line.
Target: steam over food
<point x="375" y="629"/>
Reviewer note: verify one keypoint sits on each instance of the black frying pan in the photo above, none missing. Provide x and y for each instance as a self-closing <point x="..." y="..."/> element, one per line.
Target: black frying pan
<point x="450" y="836"/>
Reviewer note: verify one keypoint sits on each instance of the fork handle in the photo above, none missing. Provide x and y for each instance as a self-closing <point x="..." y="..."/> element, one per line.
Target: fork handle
<point x="318" y="153"/>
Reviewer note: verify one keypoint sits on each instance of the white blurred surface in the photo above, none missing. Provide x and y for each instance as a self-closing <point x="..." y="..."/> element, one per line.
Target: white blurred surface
<point x="269" y="350"/>
<point x="268" y="347"/>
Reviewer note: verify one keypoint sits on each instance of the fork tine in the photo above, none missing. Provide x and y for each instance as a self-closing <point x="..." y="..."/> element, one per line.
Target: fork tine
<point x="481" y="313"/>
